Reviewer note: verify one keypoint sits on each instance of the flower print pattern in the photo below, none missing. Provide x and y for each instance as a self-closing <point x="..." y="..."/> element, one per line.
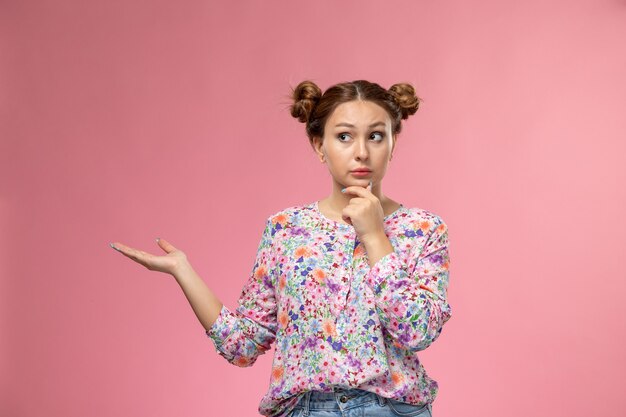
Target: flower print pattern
<point x="335" y="321"/>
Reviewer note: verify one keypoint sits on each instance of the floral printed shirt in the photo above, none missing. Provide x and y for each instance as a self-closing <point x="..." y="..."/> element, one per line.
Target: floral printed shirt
<point x="337" y="322"/>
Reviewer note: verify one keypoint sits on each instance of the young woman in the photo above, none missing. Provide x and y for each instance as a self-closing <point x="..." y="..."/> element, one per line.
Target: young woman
<point x="350" y="287"/>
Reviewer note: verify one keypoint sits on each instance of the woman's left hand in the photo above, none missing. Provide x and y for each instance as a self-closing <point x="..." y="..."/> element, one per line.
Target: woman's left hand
<point x="364" y="212"/>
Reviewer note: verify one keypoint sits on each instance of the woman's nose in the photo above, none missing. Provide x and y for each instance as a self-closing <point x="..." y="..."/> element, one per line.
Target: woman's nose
<point x="361" y="151"/>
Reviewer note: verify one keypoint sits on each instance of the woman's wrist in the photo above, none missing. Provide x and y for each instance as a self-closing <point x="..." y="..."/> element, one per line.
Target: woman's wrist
<point x="377" y="246"/>
<point x="183" y="271"/>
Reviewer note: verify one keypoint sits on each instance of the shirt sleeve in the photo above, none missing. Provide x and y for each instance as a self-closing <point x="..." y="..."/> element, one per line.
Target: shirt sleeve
<point x="411" y="297"/>
<point x="240" y="336"/>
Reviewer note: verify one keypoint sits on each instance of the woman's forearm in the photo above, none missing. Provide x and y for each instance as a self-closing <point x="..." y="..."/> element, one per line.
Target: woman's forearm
<point x="204" y="303"/>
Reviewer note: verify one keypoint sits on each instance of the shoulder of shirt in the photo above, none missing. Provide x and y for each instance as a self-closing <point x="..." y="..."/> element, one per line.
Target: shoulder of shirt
<point x="425" y="219"/>
<point x="289" y="216"/>
<point x="417" y="213"/>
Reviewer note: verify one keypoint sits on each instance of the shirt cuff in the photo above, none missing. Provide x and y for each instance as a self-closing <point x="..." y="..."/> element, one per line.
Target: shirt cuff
<point x="222" y="327"/>
<point x="387" y="266"/>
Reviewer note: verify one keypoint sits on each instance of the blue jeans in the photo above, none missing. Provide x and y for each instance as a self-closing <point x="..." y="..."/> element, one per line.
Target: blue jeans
<point x="355" y="403"/>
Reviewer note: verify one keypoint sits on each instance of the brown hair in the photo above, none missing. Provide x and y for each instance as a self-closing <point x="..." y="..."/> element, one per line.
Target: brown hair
<point x="312" y="107"/>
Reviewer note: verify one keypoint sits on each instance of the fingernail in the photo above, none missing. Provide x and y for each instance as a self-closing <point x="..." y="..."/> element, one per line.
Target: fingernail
<point x="343" y="190"/>
<point x="157" y="239"/>
<point x="114" y="247"/>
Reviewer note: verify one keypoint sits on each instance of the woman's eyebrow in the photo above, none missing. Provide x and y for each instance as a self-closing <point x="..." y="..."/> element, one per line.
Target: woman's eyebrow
<point x="351" y="125"/>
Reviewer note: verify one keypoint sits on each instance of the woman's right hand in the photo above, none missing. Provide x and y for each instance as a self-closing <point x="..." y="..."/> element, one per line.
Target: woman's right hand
<point x="174" y="261"/>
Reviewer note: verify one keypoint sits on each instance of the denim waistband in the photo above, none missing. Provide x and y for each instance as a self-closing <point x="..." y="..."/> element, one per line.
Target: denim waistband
<point x="339" y="399"/>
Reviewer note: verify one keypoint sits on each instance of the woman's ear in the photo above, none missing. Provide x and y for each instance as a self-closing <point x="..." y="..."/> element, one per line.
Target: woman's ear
<point x="317" y="143"/>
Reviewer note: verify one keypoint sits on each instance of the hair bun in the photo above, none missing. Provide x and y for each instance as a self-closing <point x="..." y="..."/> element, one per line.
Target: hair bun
<point x="305" y="97"/>
<point x="404" y="94"/>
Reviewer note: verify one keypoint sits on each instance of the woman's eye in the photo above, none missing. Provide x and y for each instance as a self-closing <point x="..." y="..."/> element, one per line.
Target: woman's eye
<point x="377" y="135"/>
<point x="343" y="136"/>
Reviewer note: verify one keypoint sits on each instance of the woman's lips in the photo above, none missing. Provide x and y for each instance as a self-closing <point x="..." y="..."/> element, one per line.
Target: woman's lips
<point x="361" y="173"/>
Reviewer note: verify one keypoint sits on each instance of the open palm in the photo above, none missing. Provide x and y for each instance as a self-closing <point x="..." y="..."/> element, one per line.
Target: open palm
<point x="169" y="263"/>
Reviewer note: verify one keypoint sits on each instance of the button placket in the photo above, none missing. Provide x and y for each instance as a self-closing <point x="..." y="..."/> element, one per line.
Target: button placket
<point x="348" y="265"/>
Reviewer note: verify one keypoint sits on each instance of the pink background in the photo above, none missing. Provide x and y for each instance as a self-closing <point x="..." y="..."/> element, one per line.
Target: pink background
<point x="130" y="120"/>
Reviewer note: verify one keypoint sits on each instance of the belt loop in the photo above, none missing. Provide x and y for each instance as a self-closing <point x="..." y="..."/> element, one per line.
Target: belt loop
<point x="307" y="399"/>
<point x="381" y="400"/>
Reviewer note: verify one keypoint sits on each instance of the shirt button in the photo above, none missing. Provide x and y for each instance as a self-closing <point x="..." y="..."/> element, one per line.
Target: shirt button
<point x="343" y="399"/>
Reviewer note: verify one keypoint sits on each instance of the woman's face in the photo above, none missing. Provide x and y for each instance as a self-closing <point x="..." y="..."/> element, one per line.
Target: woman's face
<point x="357" y="135"/>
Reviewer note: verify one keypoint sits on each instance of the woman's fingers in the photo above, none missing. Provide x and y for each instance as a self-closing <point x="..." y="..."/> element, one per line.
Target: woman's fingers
<point x="132" y="253"/>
